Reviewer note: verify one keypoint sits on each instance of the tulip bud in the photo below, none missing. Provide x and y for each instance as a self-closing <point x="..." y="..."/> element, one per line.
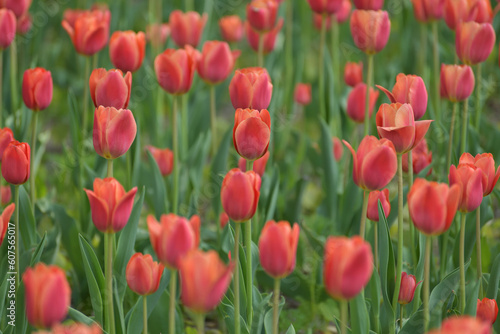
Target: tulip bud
<point x="6" y="136"/>
<point x="261" y="14"/>
<point x="487" y="310"/>
<point x="173" y="237"/>
<point x="457" y="82"/>
<point x="327" y="7"/>
<point x="143" y="274"/>
<point x="5" y="195"/>
<point x="47" y="295"/>
<point x="74" y="328"/>
<point x="203" y="295"/>
<point x="353" y="73"/>
<point x="7" y="28"/>
<point x="223" y="219"/>
<point x="338" y="149"/>
<point x="375" y="163"/>
<point x="16" y="163"/>
<point x="369" y="4"/>
<point x="421" y="157"/>
<point x="251" y="88"/>
<point x="37" y="88"/>
<point x="302" y="94"/>
<point x="470" y="179"/>
<point x="157" y="33"/>
<point x="269" y="37"/>
<point x="463" y="325"/>
<point x="186" y="28"/>
<point x="90" y="31"/>
<point x="114" y="131"/>
<point x="356" y="102"/>
<point x="110" y="88"/>
<point x="251" y="132"/>
<point x="239" y="194"/>
<point x="4" y="220"/>
<point x="347" y="266"/>
<point x="278" y="248"/>
<point x="231" y="28"/>
<point x="126" y="50"/>
<point x="474" y="42"/>
<point x="407" y="289"/>
<point x="486" y="164"/>
<point x="342" y="14"/>
<point x="216" y="61"/>
<point x="259" y="165"/>
<point x="164" y="158"/>
<point x="110" y="205"/>
<point x="428" y="10"/>
<point x="432" y="206"/>
<point x="373" y="200"/>
<point x="456" y="11"/>
<point x="370" y="30"/>
<point x="175" y="70"/>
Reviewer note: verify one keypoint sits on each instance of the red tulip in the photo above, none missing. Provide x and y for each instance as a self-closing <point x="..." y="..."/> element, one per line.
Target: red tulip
<point x="18" y="7"/>
<point x="5" y="195"/>
<point x="157" y="33"/>
<point x="428" y="10"/>
<point x="251" y="132"/>
<point x="474" y="42"/>
<point x="375" y="163"/>
<point x="143" y="274"/>
<point x="421" y="157"/>
<point x="114" y="131"/>
<point x="370" y="30"/>
<point x="353" y="73"/>
<point x="216" y="61"/>
<point x="325" y="6"/>
<point x="251" y="88"/>
<point x="37" y="88"/>
<point x="4" y="220"/>
<point x="186" y="28"/>
<point x="7" y="28"/>
<point x="16" y="163"/>
<point x="24" y="24"/>
<point x="71" y="15"/>
<point x="175" y="70"/>
<point x="373" y="199"/>
<point x="239" y="194"/>
<point x="456" y="11"/>
<point x="126" y="50"/>
<point x="74" y="328"/>
<point x="47" y="295"/>
<point x="110" y="88"/>
<point x="278" y="248"/>
<point x="369" y="4"/>
<point x="463" y="325"/>
<point x="6" y="136"/>
<point x="223" y="219"/>
<point x="486" y="164"/>
<point x="231" y="28"/>
<point x="356" y="102"/>
<point x="338" y="149"/>
<point x="164" y="158"/>
<point x="347" y="266"/>
<point x="261" y="14"/>
<point x="318" y="21"/>
<point x="342" y="14"/>
<point x="457" y="82"/>
<point x="90" y="31"/>
<point x="487" y="310"/>
<point x="204" y="280"/>
<point x="173" y="237"/>
<point x="433" y="205"/>
<point x="407" y="290"/>
<point x="302" y="94"/>
<point x="269" y="37"/>
<point x="259" y="165"/>
<point x="470" y="179"/>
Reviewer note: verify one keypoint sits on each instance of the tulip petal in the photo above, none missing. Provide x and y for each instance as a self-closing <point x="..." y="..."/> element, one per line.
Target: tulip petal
<point x="402" y="137"/>
<point x="43" y="91"/>
<point x="354" y="164"/>
<point x="357" y="271"/>
<point x="122" y="130"/>
<point x="216" y="293"/>
<point x="452" y="202"/>
<point x="252" y="138"/>
<point x="389" y="94"/>
<point x="421" y="128"/>
<point x="474" y="191"/>
<point x="121" y="214"/>
<point x="378" y="168"/>
<point x="427" y="210"/>
<point x="100" y="211"/>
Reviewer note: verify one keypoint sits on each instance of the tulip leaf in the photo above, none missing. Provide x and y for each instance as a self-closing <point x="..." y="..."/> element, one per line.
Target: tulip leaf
<point x="3" y="294"/>
<point x="159" y="192"/>
<point x="494" y="279"/>
<point x="272" y="199"/>
<point x="472" y="292"/>
<point x="80" y="317"/>
<point x="218" y="170"/>
<point x="28" y="226"/>
<point x="268" y="319"/>
<point x="135" y="154"/>
<point x="35" y="258"/>
<point x="360" y="320"/>
<point x="21" y="323"/>
<point x="226" y="309"/>
<point x="330" y="171"/>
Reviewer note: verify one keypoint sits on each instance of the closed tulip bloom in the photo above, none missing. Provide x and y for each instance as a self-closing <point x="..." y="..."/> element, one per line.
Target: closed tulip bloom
<point x="373" y="199"/>
<point x="325" y="6"/>
<point x="407" y="290"/>
<point x="470" y="179"/>
<point x="251" y="87"/>
<point x="186" y="28"/>
<point x="173" y="237"/>
<point x="369" y="4"/>
<point x="73" y="329"/>
<point x="157" y="33"/>
<point x="474" y="42"/>
<point x="486" y="164"/>
<point x="302" y="94"/>
<point x="6" y="136"/>
<point x="269" y="37"/>
<point x="164" y="158"/>
<point x="456" y="11"/>
<point x="318" y="21"/>
<point x="175" y="70"/>
<point x="7" y="27"/>
<point x="90" y="32"/>
<point x="231" y="28"/>
<point x="259" y="165"/>
<point x="342" y="14"/>
<point x="374" y="164"/>
<point x="110" y="88"/>
<point x="432" y="206"/>
<point x="338" y="149"/>
<point x="261" y="14"/>
<point x="204" y="280"/>
<point x="216" y="61"/>
<point x="353" y="73"/>
<point x="16" y="163"/>
<point x="347" y="266"/>
<point x="5" y="195"/>
<point x="356" y="102"/>
<point x="463" y="325"/>
<point x="223" y="219"/>
<point x="251" y="132"/>
<point x="487" y="310"/>
<point x="114" y="131"/>
<point x="47" y="295"/>
<point x="370" y="30"/>
<point x="4" y="220"/>
<point x="143" y="274"/>
<point x="37" y="88"/>
<point x="126" y="50"/>
<point x="110" y="205"/>
<point x="396" y="122"/>
<point x="240" y="193"/>
<point x="457" y="82"/>
<point x="18" y="7"/>
<point x="421" y="157"/>
<point x="428" y="10"/>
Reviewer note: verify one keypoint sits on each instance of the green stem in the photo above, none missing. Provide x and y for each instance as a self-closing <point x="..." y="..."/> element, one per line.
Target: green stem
<point x="423" y="49"/>
<point x="321" y="74"/>
<point x="399" y="267"/>
<point x="478" y="250"/>
<point x="412" y="228"/>
<point x="13" y="79"/>
<point x="173" y="295"/>
<point x="260" y="52"/>
<point x="478" y="95"/>
<point x="110" y="168"/>
<point x="369" y="83"/>
<point x="199" y="318"/>
<point x="145" y="313"/>
<point x="463" y="143"/>
<point x="248" y="250"/>
<point x="175" y="142"/>
<point x="401" y="313"/>
<point x="33" y="171"/>
<point x="18" y="244"/>
<point x="427" y="267"/>
<point x="159" y="113"/>
<point x="213" y="120"/>
<point x="344" y="314"/>
<point x="289" y="53"/>
<point x="337" y="79"/>
<point x="362" y="224"/>
<point x="108" y="257"/>
<point x="1" y="87"/>
<point x="86" y="89"/>
<point x="375" y="244"/>
<point x="435" y="42"/>
<point x="462" y="263"/>
<point x="236" y="278"/>
<point x="189" y="5"/>
<point x="184" y="125"/>
<point x="276" y="300"/>
<point x="452" y="130"/>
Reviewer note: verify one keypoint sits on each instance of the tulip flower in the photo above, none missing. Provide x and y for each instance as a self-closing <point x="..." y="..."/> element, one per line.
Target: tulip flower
<point x="16" y="163"/>
<point x="5" y="195"/>
<point x="251" y="133"/>
<point x="370" y="30"/>
<point x="110" y="88"/>
<point x="24" y="24"/>
<point x="175" y="70"/>
<point x="486" y="164"/>
<point x="157" y="34"/>
<point x="269" y="37"/>
<point x="407" y="290"/>
<point x="6" y="136"/>
<point x="463" y="325"/>
<point x="342" y="14"/>
<point x="231" y="28"/>
<point x="338" y="149"/>
<point x="470" y="179"/>
<point x="421" y="158"/>
<point x="369" y="4"/>
<point x="74" y="328"/>
<point x="356" y="102"/>
<point x="456" y="11"/>
<point x="7" y="28"/>
<point x="428" y="10"/>
<point x="47" y="295"/>
<point x="302" y="94"/>
<point x="223" y="219"/>
<point x="111" y="206"/>
<point x="261" y="14"/>
<point x="474" y="42"/>
<point x="251" y="88"/>
<point x="353" y="73"/>
<point x="487" y="310"/>
<point x="396" y="122"/>
<point x="164" y="158"/>
<point x="126" y="50"/>
<point x="327" y="7"/>
<point x="373" y="199"/>
<point x="216" y="62"/>
<point x="4" y="220"/>
<point x="259" y="165"/>
<point x="143" y="274"/>
<point x="240" y="193"/>
<point x="18" y="7"/>
<point x="457" y="82"/>
<point x="186" y="28"/>
<point x="37" y="88"/>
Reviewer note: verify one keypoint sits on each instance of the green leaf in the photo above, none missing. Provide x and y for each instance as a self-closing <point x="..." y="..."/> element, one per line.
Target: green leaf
<point x="28" y="226"/>
<point x="330" y="171"/>
<point x="290" y="330"/>
<point x="472" y="292"/>
<point x="268" y="319"/>
<point x="80" y="317"/>
<point x="135" y="151"/>
<point x="159" y="191"/>
<point x="273" y="195"/>
<point x="494" y="279"/>
<point x="218" y="169"/>
<point x="360" y="319"/>
<point x="35" y="258"/>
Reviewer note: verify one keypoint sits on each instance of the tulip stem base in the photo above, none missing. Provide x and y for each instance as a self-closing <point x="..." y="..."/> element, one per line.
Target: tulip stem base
<point x="236" y="278"/>
<point x="175" y="148"/>
<point x="321" y="74"/>
<point x="33" y="155"/>
<point x="248" y="249"/>
<point x="18" y="244"/>
<point x="399" y="267"/>
<point x="452" y="130"/>
<point x="199" y="319"/>
<point x="276" y="307"/>
<point x="462" y="262"/>
<point x="435" y="45"/>
<point x="213" y="120"/>
<point x="173" y="295"/>
<point x="427" y="267"/>
<point x="108" y="273"/>
<point x="343" y="316"/>
<point x="478" y="95"/>
<point x="145" y="313"/>
<point x="369" y="83"/>
<point x="478" y="250"/>
<point x="1" y="88"/>
<point x="463" y="142"/>
<point x="260" y="51"/>
<point x="362" y="224"/>
<point x="401" y="313"/>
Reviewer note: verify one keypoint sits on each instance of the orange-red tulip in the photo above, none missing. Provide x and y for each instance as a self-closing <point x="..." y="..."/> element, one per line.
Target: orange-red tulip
<point x="251" y="132"/>
<point x="216" y="61"/>
<point x="173" y="237"/>
<point x="370" y="30"/>
<point x="457" y="82"/>
<point x="251" y="88"/>
<point x="373" y="199"/>
<point x="433" y="205"/>
<point x="269" y="37"/>
<point x="157" y="33"/>
<point x="338" y="149"/>
<point x="261" y="14"/>
<point x="16" y="163"/>
<point x="37" y="88"/>
<point x="474" y="42"/>
<point x="259" y="165"/>
<point x="456" y="11"/>
<point x="463" y="325"/>
<point x="407" y="290"/>
<point x="143" y="274"/>
<point x="89" y="31"/>
<point x="231" y="28"/>
<point x="7" y="28"/>
<point x="421" y="157"/>
<point x="5" y="195"/>
<point x="375" y="163"/>
<point x="126" y="50"/>
<point x="47" y="295"/>
<point x="73" y="329"/>
<point x="186" y="28"/>
<point x="428" y="10"/>
<point x="470" y="179"/>
<point x="175" y="69"/>
<point x="223" y="219"/>
<point x="369" y="4"/>
<point x="353" y="73"/>
<point x="204" y="280"/>
<point x="302" y="94"/>
<point x="6" y="136"/>
<point x="342" y="14"/>
<point x="487" y="310"/>
<point x="347" y="266"/>
<point x="356" y="102"/>
<point x="325" y="6"/>
<point x="110" y="88"/>
<point x="240" y="193"/>
<point x="4" y="220"/>
<point x="164" y="158"/>
<point x="486" y="164"/>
